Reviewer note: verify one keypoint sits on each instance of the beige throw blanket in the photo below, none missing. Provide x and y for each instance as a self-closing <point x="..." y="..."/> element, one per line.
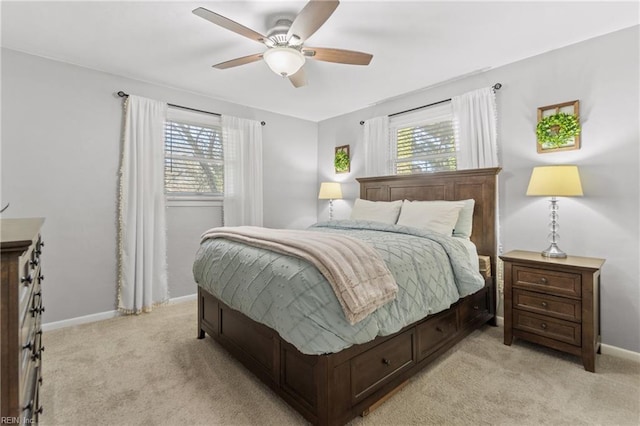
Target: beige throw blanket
<point x="358" y="275"/>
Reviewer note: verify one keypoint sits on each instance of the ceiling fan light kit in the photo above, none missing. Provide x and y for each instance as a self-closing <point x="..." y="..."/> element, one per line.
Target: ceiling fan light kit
<point x="284" y="61"/>
<point x="285" y="53"/>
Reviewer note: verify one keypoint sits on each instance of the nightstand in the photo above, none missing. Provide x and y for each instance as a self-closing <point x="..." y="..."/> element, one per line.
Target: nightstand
<point x="553" y="302"/>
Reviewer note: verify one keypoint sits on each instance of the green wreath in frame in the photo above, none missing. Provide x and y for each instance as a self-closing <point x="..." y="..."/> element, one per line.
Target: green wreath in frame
<point x="341" y="161"/>
<point x="556" y="130"/>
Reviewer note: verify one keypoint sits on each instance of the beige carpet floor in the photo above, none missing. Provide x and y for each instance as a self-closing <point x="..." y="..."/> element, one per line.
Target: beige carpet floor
<point x="151" y="370"/>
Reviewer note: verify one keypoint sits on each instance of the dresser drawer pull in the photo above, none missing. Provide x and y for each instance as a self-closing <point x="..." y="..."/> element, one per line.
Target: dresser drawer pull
<point x="26" y="280"/>
<point x="543" y="326"/>
<point x="476" y="307"/>
<point x="439" y="329"/>
<point x="34" y="262"/>
<point x="28" y="345"/>
<point x="35" y="311"/>
<point x="544" y="304"/>
<point x="39" y="410"/>
<point x="543" y="280"/>
<point x="386" y="361"/>
<point x="29" y="406"/>
<point x="41" y="278"/>
<point x="40" y="380"/>
<point x="38" y="354"/>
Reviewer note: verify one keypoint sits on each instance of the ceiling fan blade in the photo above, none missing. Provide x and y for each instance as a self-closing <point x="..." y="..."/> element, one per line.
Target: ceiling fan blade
<point x="238" y="61"/>
<point x="229" y="24"/>
<point x="339" y="56"/>
<point x="314" y="14"/>
<point x="299" y="79"/>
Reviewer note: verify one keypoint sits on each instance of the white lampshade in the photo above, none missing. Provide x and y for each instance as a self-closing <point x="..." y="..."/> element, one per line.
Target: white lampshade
<point x="284" y="61"/>
<point x="330" y="191"/>
<point x="555" y="181"/>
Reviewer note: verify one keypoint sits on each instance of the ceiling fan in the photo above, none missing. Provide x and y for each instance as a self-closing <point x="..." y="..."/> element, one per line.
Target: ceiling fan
<point x="286" y="53"/>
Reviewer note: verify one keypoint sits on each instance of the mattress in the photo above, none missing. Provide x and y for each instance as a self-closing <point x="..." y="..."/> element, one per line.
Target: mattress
<point x="291" y="296"/>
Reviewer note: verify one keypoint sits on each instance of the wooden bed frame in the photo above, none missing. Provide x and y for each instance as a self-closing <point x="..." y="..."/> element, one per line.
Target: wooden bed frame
<point x="331" y="389"/>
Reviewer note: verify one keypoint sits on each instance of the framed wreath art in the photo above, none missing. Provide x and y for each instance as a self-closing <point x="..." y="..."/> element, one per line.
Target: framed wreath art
<point x="342" y="160"/>
<point x="558" y="127"/>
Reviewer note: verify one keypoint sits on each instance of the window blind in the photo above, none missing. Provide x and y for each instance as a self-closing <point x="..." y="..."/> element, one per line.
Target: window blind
<point x="194" y="161"/>
<point x="425" y="141"/>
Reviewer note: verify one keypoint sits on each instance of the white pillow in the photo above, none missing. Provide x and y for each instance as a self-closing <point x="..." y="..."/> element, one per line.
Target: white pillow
<point x="434" y="216"/>
<point x="465" y="219"/>
<point x="377" y="211"/>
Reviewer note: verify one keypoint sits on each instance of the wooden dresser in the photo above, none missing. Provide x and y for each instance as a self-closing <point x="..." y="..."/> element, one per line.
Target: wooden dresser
<point x="20" y="321"/>
<point x="553" y="302"/>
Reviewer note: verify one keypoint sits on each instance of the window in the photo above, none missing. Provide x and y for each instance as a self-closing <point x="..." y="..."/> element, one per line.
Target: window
<point x="424" y="141"/>
<point x="193" y="162"/>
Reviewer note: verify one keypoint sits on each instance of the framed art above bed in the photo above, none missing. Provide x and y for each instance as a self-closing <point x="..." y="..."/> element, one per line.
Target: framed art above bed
<point x="332" y="388"/>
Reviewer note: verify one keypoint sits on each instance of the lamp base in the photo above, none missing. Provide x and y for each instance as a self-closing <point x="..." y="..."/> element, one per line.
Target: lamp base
<point x="554" y="251"/>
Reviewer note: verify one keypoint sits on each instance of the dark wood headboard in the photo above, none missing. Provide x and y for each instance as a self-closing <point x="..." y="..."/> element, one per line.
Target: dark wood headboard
<point x="479" y="184"/>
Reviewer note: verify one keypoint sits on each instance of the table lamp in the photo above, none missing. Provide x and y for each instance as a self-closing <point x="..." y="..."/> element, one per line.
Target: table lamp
<point x="330" y="191"/>
<point x="554" y="181"/>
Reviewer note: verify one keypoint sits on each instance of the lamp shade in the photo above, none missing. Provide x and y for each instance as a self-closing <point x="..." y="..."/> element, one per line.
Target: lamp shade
<point x="555" y="181"/>
<point x="330" y="191"/>
<point x="284" y="61"/>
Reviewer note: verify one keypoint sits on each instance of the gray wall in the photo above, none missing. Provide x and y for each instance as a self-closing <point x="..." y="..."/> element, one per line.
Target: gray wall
<point x="603" y="74"/>
<point x="61" y="127"/>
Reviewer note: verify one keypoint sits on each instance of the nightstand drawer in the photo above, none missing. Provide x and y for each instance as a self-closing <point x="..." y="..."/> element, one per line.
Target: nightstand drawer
<point x="547" y="281"/>
<point x="558" y="307"/>
<point x="552" y="328"/>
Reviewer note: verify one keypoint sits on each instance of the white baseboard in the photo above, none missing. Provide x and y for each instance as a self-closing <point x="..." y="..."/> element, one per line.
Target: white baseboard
<point x="104" y="315"/>
<point x="604" y="348"/>
<point x="619" y="352"/>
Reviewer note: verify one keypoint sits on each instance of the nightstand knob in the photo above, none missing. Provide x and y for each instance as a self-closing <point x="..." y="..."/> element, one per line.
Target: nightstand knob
<point x="386" y="361"/>
<point x="544" y="304"/>
<point x="543" y="280"/>
<point x="544" y="326"/>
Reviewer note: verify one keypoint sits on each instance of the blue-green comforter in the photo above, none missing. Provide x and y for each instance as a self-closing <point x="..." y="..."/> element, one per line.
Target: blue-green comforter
<point x="290" y="295"/>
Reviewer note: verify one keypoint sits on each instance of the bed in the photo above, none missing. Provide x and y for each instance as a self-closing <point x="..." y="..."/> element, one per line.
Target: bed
<point x="332" y="388"/>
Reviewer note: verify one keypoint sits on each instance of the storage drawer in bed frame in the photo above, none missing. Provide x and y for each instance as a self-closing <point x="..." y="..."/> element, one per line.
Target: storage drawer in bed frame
<point x="359" y="376"/>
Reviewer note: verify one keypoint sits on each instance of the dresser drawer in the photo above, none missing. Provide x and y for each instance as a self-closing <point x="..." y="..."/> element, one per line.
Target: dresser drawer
<point x="381" y="364"/>
<point x="558" y="307"/>
<point x="553" y="328"/>
<point x="551" y="282"/>
<point x="29" y="273"/>
<point x="433" y="333"/>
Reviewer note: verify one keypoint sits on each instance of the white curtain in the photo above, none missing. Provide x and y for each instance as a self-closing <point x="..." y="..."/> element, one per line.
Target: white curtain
<point x="379" y="157"/>
<point x="475" y="116"/>
<point x="242" y="145"/>
<point x="142" y="278"/>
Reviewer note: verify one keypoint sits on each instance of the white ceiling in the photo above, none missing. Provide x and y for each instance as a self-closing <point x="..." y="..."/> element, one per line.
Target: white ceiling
<point x="415" y="44"/>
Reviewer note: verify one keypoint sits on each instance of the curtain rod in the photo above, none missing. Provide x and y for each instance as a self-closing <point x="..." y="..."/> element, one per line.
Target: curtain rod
<point x="126" y="95"/>
<point x="495" y="87"/>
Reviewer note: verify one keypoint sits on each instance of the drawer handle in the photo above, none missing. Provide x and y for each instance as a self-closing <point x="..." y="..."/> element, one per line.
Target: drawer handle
<point x="544" y="326"/>
<point x="386" y="361"/>
<point x="29" y="406"/>
<point x="439" y="329"/>
<point x="28" y="345"/>
<point x="41" y="278"/>
<point x="39" y="410"/>
<point x="26" y="280"/>
<point x="544" y="304"/>
<point x="40" y="380"/>
<point x="543" y="280"/>
<point x="476" y="307"/>
<point x="34" y="262"/>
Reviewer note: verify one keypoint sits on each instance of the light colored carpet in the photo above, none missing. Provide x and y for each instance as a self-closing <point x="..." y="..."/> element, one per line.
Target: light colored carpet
<point x="151" y="370"/>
